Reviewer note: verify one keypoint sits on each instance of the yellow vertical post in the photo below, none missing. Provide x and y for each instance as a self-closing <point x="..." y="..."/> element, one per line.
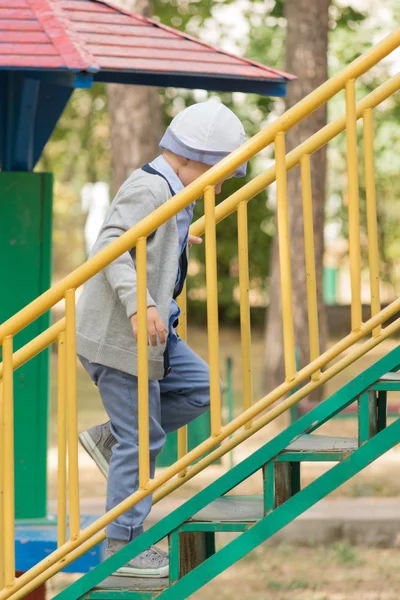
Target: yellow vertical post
<point x="62" y="445"/>
<point x="72" y="414"/>
<point x="182" y="332"/>
<point x="311" y="281"/>
<point x="354" y="206"/>
<point x="2" y="460"/>
<point x="8" y="466"/>
<point x="245" y="324"/>
<point x="143" y="367"/>
<point x="212" y="309"/>
<point x="284" y="257"/>
<point x="182" y="303"/>
<point x="372" y="220"/>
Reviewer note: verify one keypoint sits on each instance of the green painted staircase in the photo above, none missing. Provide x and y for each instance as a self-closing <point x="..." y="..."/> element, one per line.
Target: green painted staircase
<point x="191" y="528"/>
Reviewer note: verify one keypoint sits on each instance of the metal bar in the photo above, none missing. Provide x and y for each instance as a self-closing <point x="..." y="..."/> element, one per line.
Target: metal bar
<point x="182" y="332"/>
<point x="295" y="477"/>
<point x="230" y="400"/>
<point x="284" y="257"/>
<point x="34" y="347"/>
<point x="51" y="563"/>
<point x="212" y="310"/>
<point x="8" y="458"/>
<point x="372" y="219"/>
<point x="182" y="446"/>
<point x="277" y="411"/>
<point x="174" y="556"/>
<point x="382" y="410"/>
<point x="245" y="323"/>
<point x="72" y="414"/>
<point x="309" y="146"/>
<point x="380" y="339"/>
<point x="268" y="472"/>
<point x="182" y="303"/>
<point x="62" y="444"/>
<point x="143" y="367"/>
<point x="311" y="280"/>
<point x="353" y="206"/>
<point x="367" y="416"/>
<point x="218" y="173"/>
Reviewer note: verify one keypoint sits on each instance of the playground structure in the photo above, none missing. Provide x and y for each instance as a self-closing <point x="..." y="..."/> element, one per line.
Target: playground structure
<point x="49" y="48"/>
<point x="198" y="520"/>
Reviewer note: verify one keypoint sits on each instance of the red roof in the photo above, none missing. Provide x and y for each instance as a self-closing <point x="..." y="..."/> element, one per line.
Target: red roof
<point x="96" y="37"/>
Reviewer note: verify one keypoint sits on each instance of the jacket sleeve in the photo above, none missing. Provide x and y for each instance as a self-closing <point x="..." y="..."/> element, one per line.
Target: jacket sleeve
<point x="128" y="209"/>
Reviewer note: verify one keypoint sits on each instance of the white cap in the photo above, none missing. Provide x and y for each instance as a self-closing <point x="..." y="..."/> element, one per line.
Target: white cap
<point x="205" y="132"/>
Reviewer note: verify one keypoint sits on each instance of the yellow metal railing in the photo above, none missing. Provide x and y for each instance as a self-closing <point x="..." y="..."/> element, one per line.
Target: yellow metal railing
<point x="314" y="374"/>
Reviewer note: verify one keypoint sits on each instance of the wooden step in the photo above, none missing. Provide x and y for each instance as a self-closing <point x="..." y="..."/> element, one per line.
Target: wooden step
<point x="123" y="587"/>
<point x="232" y="509"/>
<point x="392" y="376"/>
<point x="390" y="382"/>
<point x="318" y="447"/>
<point x="322" y="443"/>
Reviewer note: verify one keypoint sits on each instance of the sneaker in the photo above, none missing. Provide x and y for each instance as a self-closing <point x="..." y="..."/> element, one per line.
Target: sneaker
<point x="150" y="563"/>
<point x="98" y="443"/>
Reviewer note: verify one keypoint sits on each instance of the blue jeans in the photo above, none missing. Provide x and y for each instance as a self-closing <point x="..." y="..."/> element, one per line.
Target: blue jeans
<point x="174" y="401"/>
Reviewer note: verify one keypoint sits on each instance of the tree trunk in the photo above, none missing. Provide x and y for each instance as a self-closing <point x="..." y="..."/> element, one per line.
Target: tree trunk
<point x="135" y="118"/>
<point x="306" y="51"/>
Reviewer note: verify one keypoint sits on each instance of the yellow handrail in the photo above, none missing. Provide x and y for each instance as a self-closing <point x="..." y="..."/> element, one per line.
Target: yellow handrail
<point x="212" y="310"/>
<point x="314" y="374"/>
<point x="309" y="146"/>
<point x="311" y="280"/>
<point x="372" y="221"/>
<point x="62" y="444"/>
<point x="216" y="174"/>
<point x="51" y="563"/>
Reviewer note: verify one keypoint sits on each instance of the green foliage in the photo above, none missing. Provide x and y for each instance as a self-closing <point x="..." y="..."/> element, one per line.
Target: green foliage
<point x="346" y="555"/>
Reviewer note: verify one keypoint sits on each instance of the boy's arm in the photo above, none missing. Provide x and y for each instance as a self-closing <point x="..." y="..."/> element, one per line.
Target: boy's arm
<point x="121" y="273"/>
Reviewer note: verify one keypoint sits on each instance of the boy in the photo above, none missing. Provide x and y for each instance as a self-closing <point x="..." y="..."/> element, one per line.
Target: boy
<point x="196" y="139"/>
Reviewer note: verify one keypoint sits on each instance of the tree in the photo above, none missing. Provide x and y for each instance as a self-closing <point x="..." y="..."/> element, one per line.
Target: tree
<point x="136" y="123"/>
<point x="306" y="56"/>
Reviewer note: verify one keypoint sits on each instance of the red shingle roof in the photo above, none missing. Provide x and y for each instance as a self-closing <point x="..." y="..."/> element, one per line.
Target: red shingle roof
<point x="94" y="36"/>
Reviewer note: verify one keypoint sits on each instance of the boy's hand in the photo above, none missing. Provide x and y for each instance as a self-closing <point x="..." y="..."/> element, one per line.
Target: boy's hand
<point x="193" y="239"/>
<point x="154" y="326"/>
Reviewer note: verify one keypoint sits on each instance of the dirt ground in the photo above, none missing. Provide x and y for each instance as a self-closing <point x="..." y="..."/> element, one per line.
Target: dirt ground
<point x="337" y="572"/>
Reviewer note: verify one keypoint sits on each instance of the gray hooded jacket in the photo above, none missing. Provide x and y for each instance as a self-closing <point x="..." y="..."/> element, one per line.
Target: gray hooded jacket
<point x="104" y="331"/>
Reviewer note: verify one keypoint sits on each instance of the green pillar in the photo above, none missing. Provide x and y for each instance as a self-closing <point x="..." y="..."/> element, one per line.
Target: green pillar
<point x="25" y="248"/>
<point x="198" y="431"/>
<point x="330" y="285"/>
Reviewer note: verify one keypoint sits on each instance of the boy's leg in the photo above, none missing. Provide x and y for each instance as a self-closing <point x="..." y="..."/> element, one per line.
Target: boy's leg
<point x="185" y="391"/>
<point x="118" y="392"/>
<point x="185" y="396"/>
